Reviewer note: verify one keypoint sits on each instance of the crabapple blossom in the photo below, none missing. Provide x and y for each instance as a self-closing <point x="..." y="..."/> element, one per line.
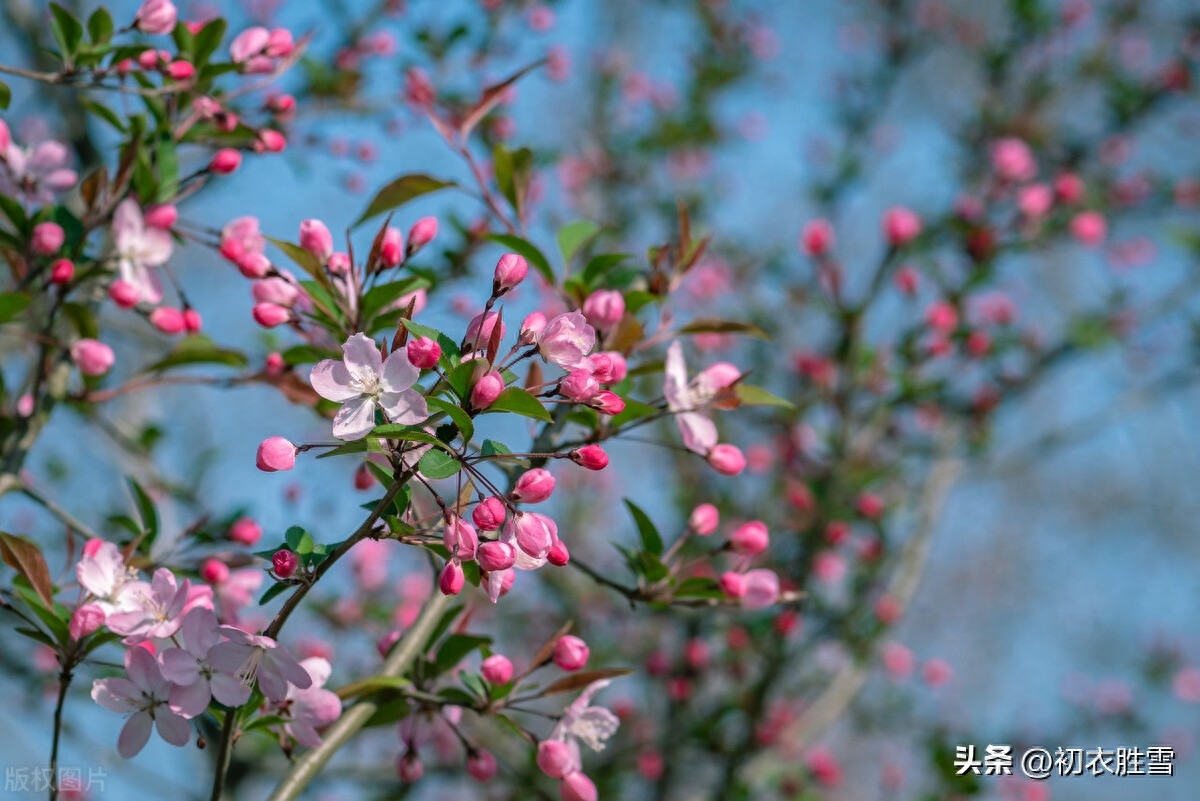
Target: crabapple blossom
<point x="489" y="514"/>
<point x="578" y="386"/>
<point x="532" y="327"/>
<point x="732" y="584"/>
<point x="36" y="174"/>
<point x="451" y="580"/>
<point x="168" y="320"/>
<point x="423" y="353"/>
<point x="274" y="454"/>
<point x="214" y="571"/>
<point x="245" y="531"/>
<point x="570" y="653"/>
<point x="1013" y="160"/>
<point x="900" y="226"/>
<point x="139" y="250"/>
<point x="580" y="723"/>
<point x="749" y="539"/>
<point x="566" y="340"/>
<point x="817" y="238"/>
<point x="486" y="390"/>
<point x="497" y="669"/>
<point x="144" y="692"/>
<point x="510" y="271"/>
<point x="284" y="563"/>
<point x="92" y="357"/>
<point x="156" y="17"/>
<point x="496" y="555"/>
<point x="1089" y="227"/>
<point x="761" y="589"/>
<point x="85" y="620"/>
<point x="704" y="519"/>
<point x="304" y="710"/>
<point x="604" y="309"/>
<point x="103" y="573"/>
<point x="391" y="250"/>
<point x="196" y="681"/>
<point x="225" y="161"/>
<point x="62" y="271"/>
<point x="608" y="367"/>
<point x="47" y="238"/>
<point x="257" y="659"/>
<point x="481" y="328"/>
<point x="558" y="555"/>
<point x="534" y="486"/>
<point x="460" y="538"/>
<point x="422" y="233"/>
<point x="151" y="609"/>
<point x="316" y="239"/>
<point x="363" y="381"/>
<point x="591" y="456"/>
<point x="481" y="765"/>
<point x="607" y="402"/>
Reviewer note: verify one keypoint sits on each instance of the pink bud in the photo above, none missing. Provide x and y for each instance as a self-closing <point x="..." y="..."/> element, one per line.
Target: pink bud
<point x="888" y="610"/>
<point x="558" y="555"/>
<point x="253" y="265"/>
<point x="409" y="768"/>
<point x="167" y="319"/>
<point x="422" y="233"/>
<point x="180" y="70"/>
<point x="578" y="386"/>
<point x="225" y="161"/>
<point x="62" y="271"/>
<point x="481" y="765"/>
<point x="424" y="353"/>
<point x="727" y="460"/>
<point x="5" y="137"/>
<point x="339" y="263"/>
<point x="385" y="643"/>
<point x="85" y="620"/>
<point x="592" y="457"/>
<point x="906" y="280"/>
<point x="494" y="556"/>
<point x="285" y="563"/>
<point x="481" y="328"/>
<point x="607" y="402"/>
<point x="92" y="357"/>
<point x="156" y="17"/>
<point x="555" y="759"/>
<point x="608" y="367"/>
<point x="570" y="653"/>
<point x="750" y="539"/>
<point x="900" y="226"/>
<point x="316" y="239"/>
<point x="762" y="589"/>
<point x="577" y="787"/>
<point x="148" y="59"/>
<point x="214" y="571"/>
<point x="275" y="453"/>
<point x="733" y="584"/>
<point x="1012" y="160"/>
<point x="489" y="514"/>
<point x="271" y="141"/>
<point x="162" y="216"/>
<point x="391" y="251"/>
<point x="1089" y="227"/>
<point x="510" y="271"/>
<point x="363" y="478"/>
<point x="534" y="486"/>
<point x="1069" y="188"/>
<point x="817" y="238"/>
<point x="936" y="672"/>
<point x="92" y="547"/>
<point x="497" y="669"/>
<point x="942" y="316"/>
<point x="870" y="506"/>
<point x="486" y="390"/>
<point x="245" y="531"/>
<point x="704" y="519"/>
<point x="460" y="539"/>
<point x="280" y="43"/>
<point x="192" y="321"/>
<point x="604" y="308"/>
<point x="47" y="238"/>
<point x="269" y="315"/>
<point x="452" y="578"/>
<point x="531" y="327"/>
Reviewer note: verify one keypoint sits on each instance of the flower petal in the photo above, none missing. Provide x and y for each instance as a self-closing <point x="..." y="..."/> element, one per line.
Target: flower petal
<point x="229" y="689"/>
<point x="361" y="356"/>
<point x="191" y="699"/>
<point x="699" y="432"/>
<point x="675" y="378"/>
<point x="228" y="657"/>
<point x="171" y="727"/>
<point x="355" y="419"/>
<point x="179" y="666"/>
<point x="115" y="695"/>
<point x="331" y="380"/>
<point x="134" y="734"/>
<point x="406" y="408"/>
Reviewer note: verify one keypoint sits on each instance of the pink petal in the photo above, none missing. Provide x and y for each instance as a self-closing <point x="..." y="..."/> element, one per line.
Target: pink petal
<point x="331" y="380"/>
<point x="135" y="733"/>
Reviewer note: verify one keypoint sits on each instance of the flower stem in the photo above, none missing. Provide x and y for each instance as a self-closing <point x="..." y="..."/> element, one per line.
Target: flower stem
<point x="64" y="682"/>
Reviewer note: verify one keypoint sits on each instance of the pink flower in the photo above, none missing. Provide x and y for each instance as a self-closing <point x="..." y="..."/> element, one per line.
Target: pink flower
<point x="85" y="620"/>
<point x="422" y="233"/>
<point x="225" y="161"/>
<point x="489" y="514"/>
<point x="274" y="454"/>
<point x="571" y="653"/>
<point x="579" y="386"/>
<point x="533" y="535"/>
<point x="688" y="401"/>
<point x="534" y="486"/>
<point x="144" y="693"/>
<point x="155" y="17"/>
<point x="704" y="519"/>
<point x="316" y="239"/>
<point x="460" y="538"/>
<point x="497" y="669"/>
<point x="1089" y="227"/>
<point x="567" y="340"/>
<point x="591" y="456"/>
<point x="246" y="531"/>
<point x="196" y="681"/>
<point x="241" y="237"/>
<point x="47" y="238"/>
<point x="817" y="238"/>
<point x="937" y="672"/>
<point x="92" y="357"/>
<point x="151" y="610"/>
<point x="900" y="226"/>
<point x="897" y="660"/>
<point x="306" y="710"/>
<point x="258" y="659"/>
<point x="481" y="765"/>
<point x="1013" y="160"/>
<point x="424" y="353"/>
<point x="35" y="175"/>
<point x="363" y="381"/>
<point x="761" y="589"/>
<point x="139" y="249"/>
<point x="62" y="271"/>
<point x="604" y="309"/>
<point x="248" y="44"/>
<point x="284" y="563"/>
<point x="576" y="786"/>
<point x="580" y="723"/>
<point x="486" y="390"/>
<point x="452" y="579"/>
<point x="510" y="271"/>
<point x="481" y="328"/>
<point x="102" y="572"/>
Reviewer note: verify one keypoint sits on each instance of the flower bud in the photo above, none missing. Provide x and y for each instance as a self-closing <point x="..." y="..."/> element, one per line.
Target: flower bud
<point x="85" y="620"/>
<point x="274" y="454"/>
<point x="554" y="758"/>
<point x="385" y="643"/>
<point x="180" y="70"/>
<point x="704" y="519"/>
<point x="1089" y="227"/>
<point x="47" y="238"/>
<point x="489" y="514"/>
<point x="486" y="390"/>
<point x="339" y="263"/>
<point x="608" y="367"/>
<point x="604" y="309"/>
<point x="481" y="328"/>
<point x="534" y="486"/>
<point x="592" y="457"/>
<point x="214" y="571"/>
<point x="253" y="265"/>
<point x="817" y="238"/>
<point x="570" y="652"/>
<point x="285" y="563"/>
<point x="156" y="17"/>
<point x="5" y="139"/>
<point x="274" y="364"/>
<point x="870" y="506"/>
<point x="727" y="460"/>
<point x="163" y="215"/>
<point x="452" y="578"/>
<point x="732" y="584"/>
<point x="1069" y="188"/>
<point x="607" y="402"/>
<point x="409" y="768"/>
<point x="62" y="271"/>
<point x="495" y="556"/>
<point x="558" y="555"/>
<point x="92" y="357"/>
<point x="460" y="538"/>
<point x="225" y="161"/>
<point x="124" y="294"/>
<point x="168" y="320"/>
<point x="578" y="386"/>
<point x="481" y="765"/>
<point x="271" y="141"/>
<point x="245" y="531"/>
<point x="363" y="478"/>
<point x="762" y="589"/>
<point x="900" y="226"/>
<point x="269" y="315"/>
<point x="192" y="321"/>
<point x="531" y="327"/>
<point x="391" y="250"/>
<point x="497" y="669"/>
<point x="750" y="539"/>
<point x="316" y="239"/>
<point x="422" y="233"/>
<point x="510" y="271"/>
<point x="577" y="787"/>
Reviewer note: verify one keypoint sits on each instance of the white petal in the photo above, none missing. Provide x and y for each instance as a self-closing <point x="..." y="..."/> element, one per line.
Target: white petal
<point x="126" y="224"/>
<point x="134" y="735"/>
<point x="699" y="433"/>
<point x="398" y="372"/>
<point x="115" y="694"/>
<point x="155" y="247"/>
<point x="355" y="419"/>
<point x="407" y="407"/>
<point x="675" y="378"/>
<point x="318" y="669"/>
<point x="331" y="380"/>
<point x="362" y="357"/>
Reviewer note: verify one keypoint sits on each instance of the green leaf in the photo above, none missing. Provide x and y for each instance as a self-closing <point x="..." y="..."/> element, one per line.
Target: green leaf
<point x="389" y="713"/>
<point x="450" y="351"/>
<point x="492" y="448"/>
<point x="294" y="535"/>
<point x="455" y="648"/>
<point x="577" y="681"/>
<point x="405" y="433"/>
<point x="100" y="26"/>
<point x="5" y="95"/>
<point x="168" y="168"/>
<point x="438" y="464"/>
<point x="401" y="191"/>
<point x="757" y="396"/>
<point x="456" y="413"/>
<point x="276" y="589"/>
<point x="723" y="327"/>
<point x="208" y="39"/>
<point x="307" y="354"/>
<point x="385" y="294"/>
<point x="364" y="445"/>
<point x="12" y="304"/>
<point x="520" y="401"/>
<point x="103" y="112"/>
<point x="146" y="510"/>
<point x="302" y="258"/>
<point x="573" y="236"/>
<point x="698" y="587"/>
<point x="633" y="410"/>
<point x="527" y="249"/>
<point x="198" y="349"/>
<point x="599" y="265"/>
<point x="648" y="533"/>
<point x="67" y="30"/>
<point x="370" y="685"/>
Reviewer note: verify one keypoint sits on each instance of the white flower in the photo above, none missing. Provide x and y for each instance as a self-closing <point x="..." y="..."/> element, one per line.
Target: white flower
<point x="151" y="609"/>
<point x="36" y="174"/>
<point x="140" y="248"/>
<point x="580" y="722"/>
<point x="362" y="381"/>
<point x="145" y="694"/>
<point x="103" y="573"/>
<point x="698" y="430"/>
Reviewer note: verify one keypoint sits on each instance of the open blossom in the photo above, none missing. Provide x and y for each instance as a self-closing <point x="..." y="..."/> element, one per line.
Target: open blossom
<point x="583" y="723"/>
<point x="253" y="658"/>
<point x="305" y="710"/>
<point x="145" y="694"/>
<point x="151" y="609"/>
<point x="362" y="381"/>
<point x="690" y="401"/>
<point x="139" y="249"/>
<point x="567" y="340"/>
<point x="37" y="174"/>
<point x="196" y="681"/>
<point x="102" y="572"/>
